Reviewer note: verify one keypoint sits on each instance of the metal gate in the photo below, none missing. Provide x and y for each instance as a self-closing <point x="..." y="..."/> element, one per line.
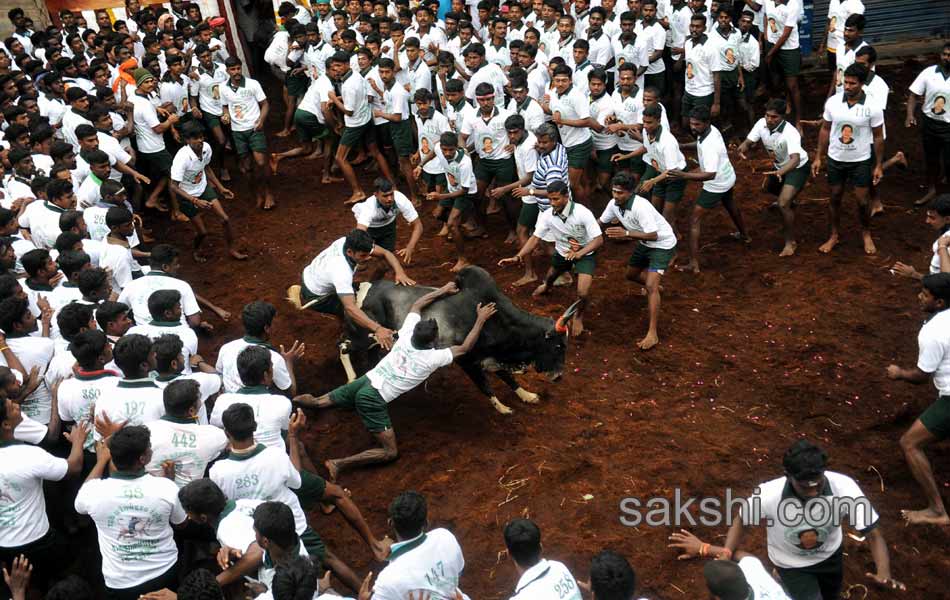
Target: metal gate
<point x="893" y="20"/>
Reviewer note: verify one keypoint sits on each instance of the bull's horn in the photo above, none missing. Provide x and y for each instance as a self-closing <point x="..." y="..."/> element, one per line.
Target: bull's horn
<point x="295" y="297"/>
<point x="561" y="324"/>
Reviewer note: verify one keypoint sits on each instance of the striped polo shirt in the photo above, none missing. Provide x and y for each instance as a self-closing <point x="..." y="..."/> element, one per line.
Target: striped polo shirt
<point x="551" y="167"/>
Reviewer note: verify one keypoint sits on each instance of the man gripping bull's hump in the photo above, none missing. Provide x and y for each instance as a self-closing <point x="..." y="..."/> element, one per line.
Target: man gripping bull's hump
<point x="327" y="282"/>
<point x="410" y="361"/>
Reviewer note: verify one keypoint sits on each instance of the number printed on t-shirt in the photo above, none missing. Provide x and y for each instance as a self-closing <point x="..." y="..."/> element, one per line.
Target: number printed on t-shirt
<point x="565" y="586"/>
<point x="132" y="493"/>
<point x="247" y="481"/>
<point x="184" y="439"/>
<point x="134" y="409"/>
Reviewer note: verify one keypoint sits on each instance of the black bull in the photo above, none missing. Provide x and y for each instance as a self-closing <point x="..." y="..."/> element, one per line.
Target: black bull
<point x="511" y="341"/>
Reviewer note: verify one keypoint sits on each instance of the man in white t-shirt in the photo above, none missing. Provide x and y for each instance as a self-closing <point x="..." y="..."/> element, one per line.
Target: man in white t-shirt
<point x="26" y="530"/>
<point x="244" y="107"/>
<point x="164" y="265"/>
<point x="419" y="559"/>
<point x="152" y="157"/>
<point x="134" y="513"/>
<point x="377" y="215"/>
<point x="39" y="221"/>
<point x="412" y="359"/>
<point x="631" y="216"/>
<point x="931" y="90"/>
<point x="198" y="189"/>
<point x="933" y="425"/>
<point x="612" y="577"/>
<point x="805" y="543"/>
<point x="327" y="282"/>
<point x="717" y="176"/>
<point x="569" y="108"/>
<point x="136" y="399"/>
<point x="34" y="351"/>
<point x="577" y="237"/>
<point x="165" y="309"/>
<point x="538" y="578"/>
<point x="258" y="319"/>
<point x="852" y="137"/>
<point x="783" y="57"/>
<point x="523" y="143"/>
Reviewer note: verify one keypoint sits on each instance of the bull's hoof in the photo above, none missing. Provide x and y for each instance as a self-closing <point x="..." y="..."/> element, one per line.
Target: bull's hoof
<point x="499" y="406"/>
<point x="527" y="397"/>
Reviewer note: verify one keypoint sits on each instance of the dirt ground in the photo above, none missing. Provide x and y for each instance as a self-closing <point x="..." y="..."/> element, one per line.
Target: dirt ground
<point x="755" y="352"/>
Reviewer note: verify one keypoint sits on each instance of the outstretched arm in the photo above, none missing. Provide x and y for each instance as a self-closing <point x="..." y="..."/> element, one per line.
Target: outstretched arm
<point x="446" y="290"/>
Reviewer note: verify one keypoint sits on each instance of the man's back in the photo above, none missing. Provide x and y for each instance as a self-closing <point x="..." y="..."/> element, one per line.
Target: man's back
<point x="405" y="366"/>
<point x="432" y="561"/>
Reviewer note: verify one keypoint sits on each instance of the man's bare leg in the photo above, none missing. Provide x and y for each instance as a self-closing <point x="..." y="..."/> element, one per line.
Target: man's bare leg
<point x="291" y="103"/>
<point x="406" y="167"/>
<point x="834" y="214"/>
<point x="864" y="215"/>
<point x="262" y="180"/>
<point x="380" y="160"/>
<point x="729" y="203"/>
<point x="341" y="499"/>
<point x="343" y="571"/>
<point x="228" y="232"/>
<point x="549" y="278"/>
<point x="346" y="168"/>
<point x="529" y="275"/>
<point x="583" y="291"/>
<point x="695" y="229"/>
<point x="152" y="200"/>
<point x="305" y="149"/>
<point x="201" y="232"/>
<point x="898" y="159"/>
<point x="653" y="306"/>
<point x="387" y="452"/>
<point x="912" y="443"/>
<point x="455" y="227"/>
<point x="785" y="198"/>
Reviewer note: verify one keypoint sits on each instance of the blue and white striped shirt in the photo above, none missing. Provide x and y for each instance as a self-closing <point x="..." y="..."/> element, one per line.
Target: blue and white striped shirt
<point x="551" y="167"/>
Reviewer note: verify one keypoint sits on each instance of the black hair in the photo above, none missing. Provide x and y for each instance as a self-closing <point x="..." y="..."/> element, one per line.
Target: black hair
<point x="776" y="105"/>
<point x="523" y="540"/>
<point x="58" y="188"/>
<point x="726" y="580"/>
<point x="73" y="587"/>
<point x="701" y="113"/>
<point x="358" y="240"/>
<point x="856" y="20"/>
<point x="166" y="348"/>
<point x="295" y="579"/>
<point x="91" y="280"/>
<point x="12" y="311"/>
<point x="238" y="420"/>
<point x="937" y="284"/>
<point x="116" y="215"/>
<point x="623" y="181"/>
<point x="408" y="512"/>
<point x="72" y="261"/>
<point x="652" y="111"/>
<point x="868" y="51"/>
<point x="130" y="352"/>
<point x="201" y="496"/>
<point x="161" y="301"/>
<point x="857" y="70"/>
<point x="425" y="333"/>
<point x="181" y="395"/>
<point x="449" y="139"/>
<point x="9" y="284"/>
<point x="612" y="577"/>
<point x="200" y="584"/>
<point x="804" y="460"/>
<point x="257" y="316"/>
<point x="34" y="260"/>
<point x="162" y="255"/>
<point x="69" y="219"/>
<point x="127" y="446"/>
<point x="252" y="363"/>
<point x="275" y="521"/>
<point x="87" y="346"/>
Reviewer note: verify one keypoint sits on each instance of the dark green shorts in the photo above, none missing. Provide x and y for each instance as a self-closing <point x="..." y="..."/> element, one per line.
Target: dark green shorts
<point x="585" y="265"/>
<point x="751" y="80"/>
<point x="796" y="178"/>
<point x="937" y="418"/>
<point x="156" y="164"/>
<point x="668" y="191"/>
<point x="787" y="62"/>
<point x="858" y="173"/>
<point x="309" y="127"/>
<point x="210" y="121"/>
<point x="246" y="142"/>
<point x="314" y="545"/>
<point x="604" y="164"/>
<point x="651" y="259"/>
<point x="462" y="203"/>
<point x="690" y="102"/>
<point x="822" y="580"/>
<point x="528" y="217"/>
<point x="297" y="85"/>
<point x="578" y="156"/>
<point x="385" y="236"/>
<point x="311" y="490"/>
<point x="501" y="171"/>
<point x="401" y="135"/>
<point x="634" y="165"/>
<point x="352" y="136"/>
<point x="328" y="304"/>
<point x="710" y="200"/>
<point x="361" y="396"/>
<point x="433" y="180"/>
<point x="189" y="209"/>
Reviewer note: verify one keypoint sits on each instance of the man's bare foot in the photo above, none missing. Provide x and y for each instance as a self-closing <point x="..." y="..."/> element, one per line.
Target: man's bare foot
<point x="925" y="517"/>
<point x="541" y="290"/>
<point x="525" y="280"/>
<point x="493" y="208"/>
<point x="577" y="327"/>
<point x="360" y="159"/>
<point x="314" y="155"/>
<point x="199" y="258"/>
<point x="829" y="245"/>
<point x="925" y="199"/>
<point x="274" y="161"/>
<point x="460" y="264"/>
<point x="331" y="179"/>
<point x="180" y="217"/>
<point x="648" y="341"/>
<point x="225" y="176"/>
<point x="690" y="267"/>
<point x="237" y="255"/>
<point x="478" y="232"/>
<point x="869" y="247"/>
<point x="282" y="133"/>
<point x="737" y="235"/>
<point x="512" y="238"/>
<point x="333" y="471"/>
<point x="156" y="205"/>
<point x="355" y="198"/>
<point x="644" y="292"/>
<point x="789" y="249"/>
<point x="564" y="279"/>
<point x="877" y="207"/>
<point x="444" y="231"/>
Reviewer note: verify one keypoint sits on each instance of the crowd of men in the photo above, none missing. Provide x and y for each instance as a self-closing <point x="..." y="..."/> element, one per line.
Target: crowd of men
<point x="110" y="419"/>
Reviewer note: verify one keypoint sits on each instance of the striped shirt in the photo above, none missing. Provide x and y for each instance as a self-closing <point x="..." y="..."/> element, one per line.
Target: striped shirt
<point x="551" y="167"/>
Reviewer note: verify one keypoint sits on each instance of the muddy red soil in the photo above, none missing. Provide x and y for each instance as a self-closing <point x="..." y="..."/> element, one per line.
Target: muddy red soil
<point x="755" y="352"/>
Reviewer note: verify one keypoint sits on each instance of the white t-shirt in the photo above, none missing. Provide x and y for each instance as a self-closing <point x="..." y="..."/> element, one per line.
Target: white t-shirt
<point x="459" y="172"/>
<point x="188" y="169"/>
<point x="243" y="103"/>
<point x="405" y="367"/>
<point x="145" y="117"/>
<point x="271" y="411"/>
<point x="190" y="445"/>
<point x="77" y="395"/>
<point x="370" y="213"/>
<point x="639" y="215"/>
<point x="489" y="137"/>
<point x="315" y="96"/>
<point x="547" y="580"/>
<point x="488" y="73"/>
<point x="763" y="585"/>
<point x="933" y="355"/>
<point x="852" y="137"/>
<point x="714" y="158"/>
<point x="628" y="110"/>
<point x="42" y="219"/>
<point x="155" y="329"/>
<point x="227" y="364"/>
<point x="780" y="16"/>
<point x="22" y="503"/>
<point x="136" y="401"/>
<point x="573" y="106"/>
<point x="602" y="109"/>
<point x="663" y="151"/>
<point x="798" y="538"/>
<point x="354" y="93"/>
<point x="934" y="86"/>
<point x="575" y="222"/>
<point x="530" y="110"/>
<point x="935" y="260"/>
<point x="34" y="351"/>
<point x="526" y="161"/>
<point x="428" y="133"/>
<point x="331" y="272"/>
<point x="263" y="474"/>
<point x="655" y="39"/>
<point x="133" y="516"/>
<point x="700" y="59"/>
<point x="136" y="294"/>
<point x="838" y="13"/>
<point x="209" y="88"/>
<point x="118" y="259"/>
<point x="780" y="143"/>
<point x="432" y="561"/>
